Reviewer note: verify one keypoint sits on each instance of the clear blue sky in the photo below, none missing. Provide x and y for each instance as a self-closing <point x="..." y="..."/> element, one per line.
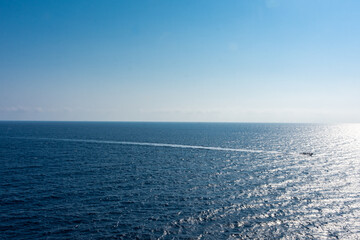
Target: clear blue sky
<point x="185" y="60"/>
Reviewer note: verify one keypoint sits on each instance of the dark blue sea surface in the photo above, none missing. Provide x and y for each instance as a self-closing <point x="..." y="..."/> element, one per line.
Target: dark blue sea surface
<point x="94" y="180"/>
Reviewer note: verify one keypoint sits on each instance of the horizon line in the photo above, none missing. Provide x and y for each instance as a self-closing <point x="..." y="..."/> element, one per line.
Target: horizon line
<point x="132" y="121"/>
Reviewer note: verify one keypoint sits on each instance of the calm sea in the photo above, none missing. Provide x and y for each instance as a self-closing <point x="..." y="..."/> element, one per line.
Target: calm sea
<point x="94" y="180"/>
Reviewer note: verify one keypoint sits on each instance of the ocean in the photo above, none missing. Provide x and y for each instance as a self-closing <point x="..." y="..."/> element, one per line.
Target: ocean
<point x="127" y="180"/>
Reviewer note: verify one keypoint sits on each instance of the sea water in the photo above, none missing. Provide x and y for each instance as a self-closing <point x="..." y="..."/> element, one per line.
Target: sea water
<point x="96" y="180"/>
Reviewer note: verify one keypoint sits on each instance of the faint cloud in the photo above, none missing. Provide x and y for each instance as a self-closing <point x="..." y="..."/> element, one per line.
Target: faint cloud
<point x="164" y="36"/>
<point x="38" y="109"/>
<point x="233" y="46"/>
<point x="181" y="111"/>
<point x="23" y="109"/>
<point x="272" y="3"/>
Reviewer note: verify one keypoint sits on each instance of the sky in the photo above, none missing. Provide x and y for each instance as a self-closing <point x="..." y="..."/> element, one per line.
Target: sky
<point x="184" y="60"/>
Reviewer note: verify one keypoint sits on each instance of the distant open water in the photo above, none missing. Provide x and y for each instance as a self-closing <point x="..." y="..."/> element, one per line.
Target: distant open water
<point x="179" y="181"/>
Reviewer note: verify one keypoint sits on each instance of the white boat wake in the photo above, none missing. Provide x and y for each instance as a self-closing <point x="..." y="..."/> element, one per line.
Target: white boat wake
<point x="155" y="145"/>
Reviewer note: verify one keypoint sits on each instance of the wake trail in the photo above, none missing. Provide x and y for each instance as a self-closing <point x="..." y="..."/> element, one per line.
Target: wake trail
<point x="154" y="145"/>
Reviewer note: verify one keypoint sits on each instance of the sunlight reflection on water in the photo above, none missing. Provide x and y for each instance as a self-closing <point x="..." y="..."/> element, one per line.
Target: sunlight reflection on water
<point x="90" y="188"/>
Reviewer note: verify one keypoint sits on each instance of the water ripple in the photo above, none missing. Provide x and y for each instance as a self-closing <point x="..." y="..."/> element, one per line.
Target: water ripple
<point x="163" y="185"/>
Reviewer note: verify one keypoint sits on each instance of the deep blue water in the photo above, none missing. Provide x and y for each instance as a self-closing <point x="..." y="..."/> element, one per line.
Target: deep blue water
<point x="82" y="180"/>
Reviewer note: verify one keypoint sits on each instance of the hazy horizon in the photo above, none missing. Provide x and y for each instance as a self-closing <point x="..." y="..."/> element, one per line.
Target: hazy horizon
<point x="263" y="61"/>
